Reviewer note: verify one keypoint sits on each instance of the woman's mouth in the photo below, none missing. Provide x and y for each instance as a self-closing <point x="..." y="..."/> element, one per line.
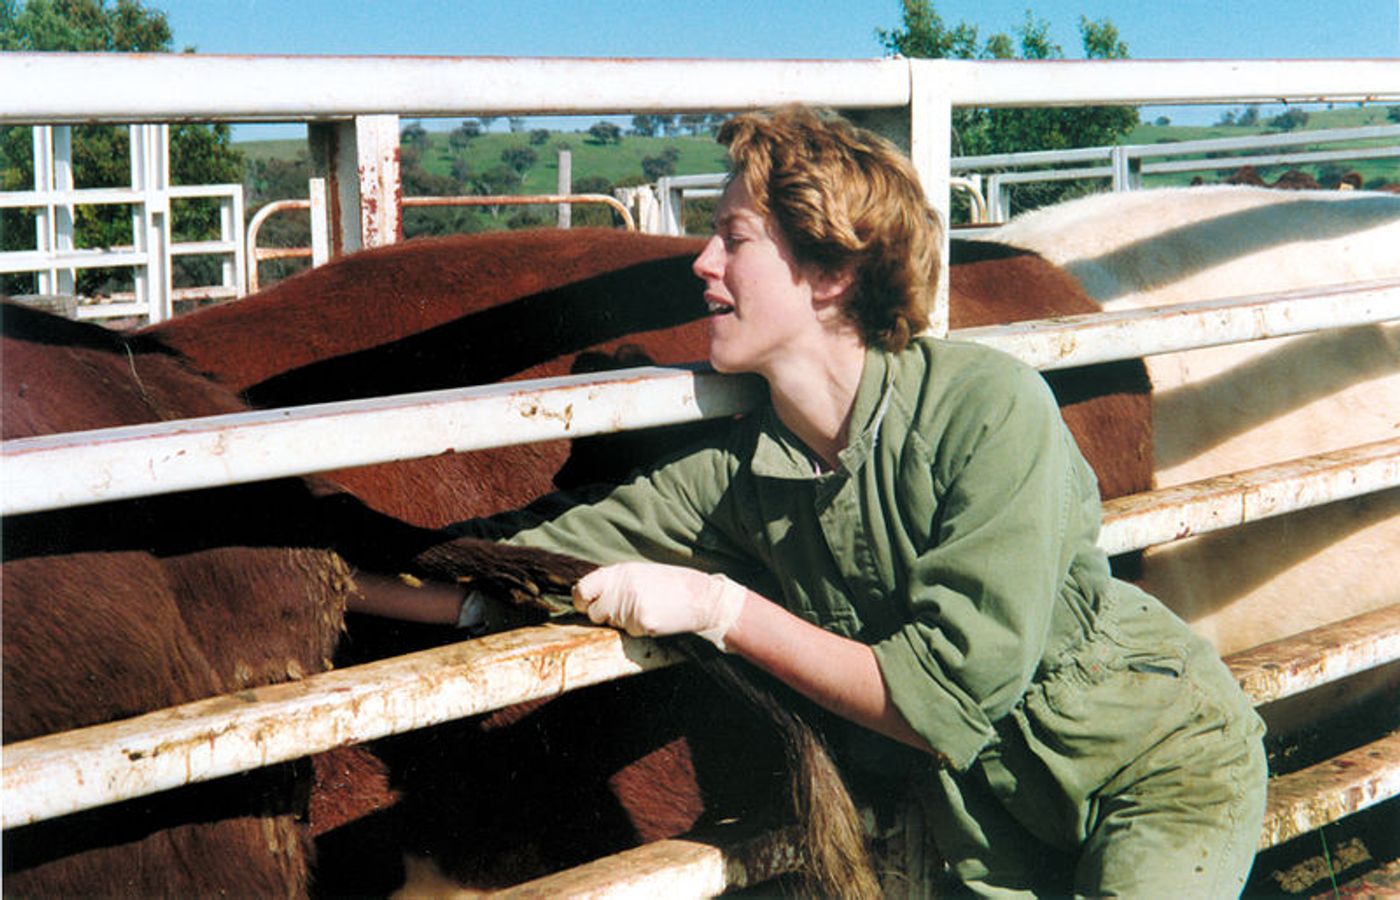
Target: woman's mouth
<point x="718" y="307"/>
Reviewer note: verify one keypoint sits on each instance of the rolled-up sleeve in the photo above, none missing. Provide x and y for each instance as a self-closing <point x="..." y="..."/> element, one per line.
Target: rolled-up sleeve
<point x="981" y="596"/>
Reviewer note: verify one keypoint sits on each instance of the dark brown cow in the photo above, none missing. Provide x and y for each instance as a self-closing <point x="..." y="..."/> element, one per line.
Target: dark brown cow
<point x="533" y="789"/>
<point x="116" y="609"/>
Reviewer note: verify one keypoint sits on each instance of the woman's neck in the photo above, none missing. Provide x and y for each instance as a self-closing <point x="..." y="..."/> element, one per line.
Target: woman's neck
<point x="814" y="395"/>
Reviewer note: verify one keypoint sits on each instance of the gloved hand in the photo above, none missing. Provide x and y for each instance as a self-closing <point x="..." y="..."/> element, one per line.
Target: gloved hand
<point x="645" y="598"/>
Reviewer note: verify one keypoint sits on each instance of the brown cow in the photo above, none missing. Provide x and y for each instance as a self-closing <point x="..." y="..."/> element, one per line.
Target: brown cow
<point x="119" y="608"/>
<point x="456" y="313"/>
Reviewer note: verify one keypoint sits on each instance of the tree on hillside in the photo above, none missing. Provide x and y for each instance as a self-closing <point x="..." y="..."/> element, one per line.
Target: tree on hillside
<point x="519" y="160"/>
<point x="694" y="123"/>
<point x="462" y="136"/>
<point x="199" y="154"/>
<point x="1289" y="119"/>
<point x="416" y="136"/>
<point x="980" y="131"/>
<point x="605" y="133"/>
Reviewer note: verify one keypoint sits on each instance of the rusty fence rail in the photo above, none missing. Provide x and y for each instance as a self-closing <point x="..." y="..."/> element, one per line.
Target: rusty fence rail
<point x="109" y="464"/>
<point x="317" y="252"/>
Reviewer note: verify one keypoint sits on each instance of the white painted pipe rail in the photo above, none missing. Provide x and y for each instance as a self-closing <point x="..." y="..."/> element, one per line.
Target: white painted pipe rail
<point x="59" y="774"/>
<point x="76" y="87"/>
<point x="111" y="464"/>
<point x="1081" y="340"/>
<point x="95" y="87"/>
<point x="1224" y="501"/>
<point x="78" y="468"/>
<point x="1210" y="145"/>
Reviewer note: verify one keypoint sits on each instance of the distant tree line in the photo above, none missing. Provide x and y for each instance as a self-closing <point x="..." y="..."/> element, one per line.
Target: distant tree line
<point x="1288" y="120"/>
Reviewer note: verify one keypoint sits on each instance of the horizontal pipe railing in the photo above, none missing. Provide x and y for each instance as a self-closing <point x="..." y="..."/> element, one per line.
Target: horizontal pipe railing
<point x="92" y="87"/>
<point x="1068" y="341"/>
<point x="59" y="774"/>
<point x="1176" y="148"/>
<point x="52" y="471"/>
<point x="64" y="773"/>
<point x="85" y="467"/>
<point x="1236" y="498"/>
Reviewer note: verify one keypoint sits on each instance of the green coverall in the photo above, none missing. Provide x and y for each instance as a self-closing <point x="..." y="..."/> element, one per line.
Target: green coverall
<point x="1086" y="739"/>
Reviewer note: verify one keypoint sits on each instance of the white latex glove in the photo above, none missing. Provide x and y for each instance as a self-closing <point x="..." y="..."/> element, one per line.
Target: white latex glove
<point x="645" y="598"/>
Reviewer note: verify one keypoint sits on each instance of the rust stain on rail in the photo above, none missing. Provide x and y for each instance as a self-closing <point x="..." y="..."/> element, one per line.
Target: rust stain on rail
<point x="1306" y="800"/>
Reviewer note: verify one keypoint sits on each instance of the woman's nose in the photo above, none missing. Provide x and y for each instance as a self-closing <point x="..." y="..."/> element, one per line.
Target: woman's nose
<point x="709" y="264"/>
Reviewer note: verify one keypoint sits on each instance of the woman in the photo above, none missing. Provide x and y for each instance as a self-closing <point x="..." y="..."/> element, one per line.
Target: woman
<point x="906" y="535"/>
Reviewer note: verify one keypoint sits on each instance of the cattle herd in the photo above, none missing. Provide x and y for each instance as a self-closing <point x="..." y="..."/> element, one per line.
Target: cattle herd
<point x="115" y="609"/>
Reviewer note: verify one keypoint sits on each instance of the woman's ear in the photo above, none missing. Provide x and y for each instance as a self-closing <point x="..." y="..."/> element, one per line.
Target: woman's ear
<point x="833" y="286"/>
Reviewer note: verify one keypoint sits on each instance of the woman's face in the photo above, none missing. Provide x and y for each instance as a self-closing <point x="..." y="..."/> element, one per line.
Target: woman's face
<point x="760" y="297"/>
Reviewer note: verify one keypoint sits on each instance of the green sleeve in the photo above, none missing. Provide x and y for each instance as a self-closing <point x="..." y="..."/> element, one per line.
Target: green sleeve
<point x="980" y="599"/>
<point x="677" y="513"/>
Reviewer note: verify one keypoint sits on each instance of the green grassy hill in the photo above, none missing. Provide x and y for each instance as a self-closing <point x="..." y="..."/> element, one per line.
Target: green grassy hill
<point x="621" y="163"/>
<point x="1373" y="171"/>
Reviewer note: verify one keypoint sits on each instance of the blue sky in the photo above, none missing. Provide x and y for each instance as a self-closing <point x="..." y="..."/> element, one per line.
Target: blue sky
<point x="816" y="29"/>
<point x="765" y="28"/>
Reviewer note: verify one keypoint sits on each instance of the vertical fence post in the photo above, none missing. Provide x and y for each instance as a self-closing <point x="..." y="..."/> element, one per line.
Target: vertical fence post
<point x="150" y="219"/>
<point x="320" y="222"/>
<point x="235" y="269"/>
<point x="64" y="226"/>
<point x="359" y="162"/>
<point x="672" y="212"/>
<point x="42" y="139"/>
<point x="1118" y="164"/>
<point x="566" y="186"/>
<point x="53" y="221"/>
<point x="931" y="149"/>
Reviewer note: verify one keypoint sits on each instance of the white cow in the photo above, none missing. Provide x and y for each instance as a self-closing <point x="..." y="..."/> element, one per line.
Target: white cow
<point x="1229" y="408"/>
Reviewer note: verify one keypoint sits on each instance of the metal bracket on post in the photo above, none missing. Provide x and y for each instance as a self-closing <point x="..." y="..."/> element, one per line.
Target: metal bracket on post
<point x="359" y="163"/>
<point x="931" y="150"/>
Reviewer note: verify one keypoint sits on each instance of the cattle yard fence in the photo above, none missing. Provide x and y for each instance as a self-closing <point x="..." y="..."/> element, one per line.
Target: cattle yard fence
<point x="345" y="100"/>
<point x="987" y="186"/>
<point x="151" y="198"/>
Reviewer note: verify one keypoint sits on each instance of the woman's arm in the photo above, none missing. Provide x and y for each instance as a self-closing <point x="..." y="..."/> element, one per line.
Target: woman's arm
<point x="835" y="672"/>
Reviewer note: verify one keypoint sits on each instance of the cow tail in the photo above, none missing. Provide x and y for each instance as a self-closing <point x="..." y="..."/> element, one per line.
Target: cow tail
<point x="837" y="859"/>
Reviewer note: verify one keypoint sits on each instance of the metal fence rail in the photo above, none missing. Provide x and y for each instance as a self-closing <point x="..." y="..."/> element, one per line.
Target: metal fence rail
<point x="110" y="464"/>
<point x="1125" y="164"/>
